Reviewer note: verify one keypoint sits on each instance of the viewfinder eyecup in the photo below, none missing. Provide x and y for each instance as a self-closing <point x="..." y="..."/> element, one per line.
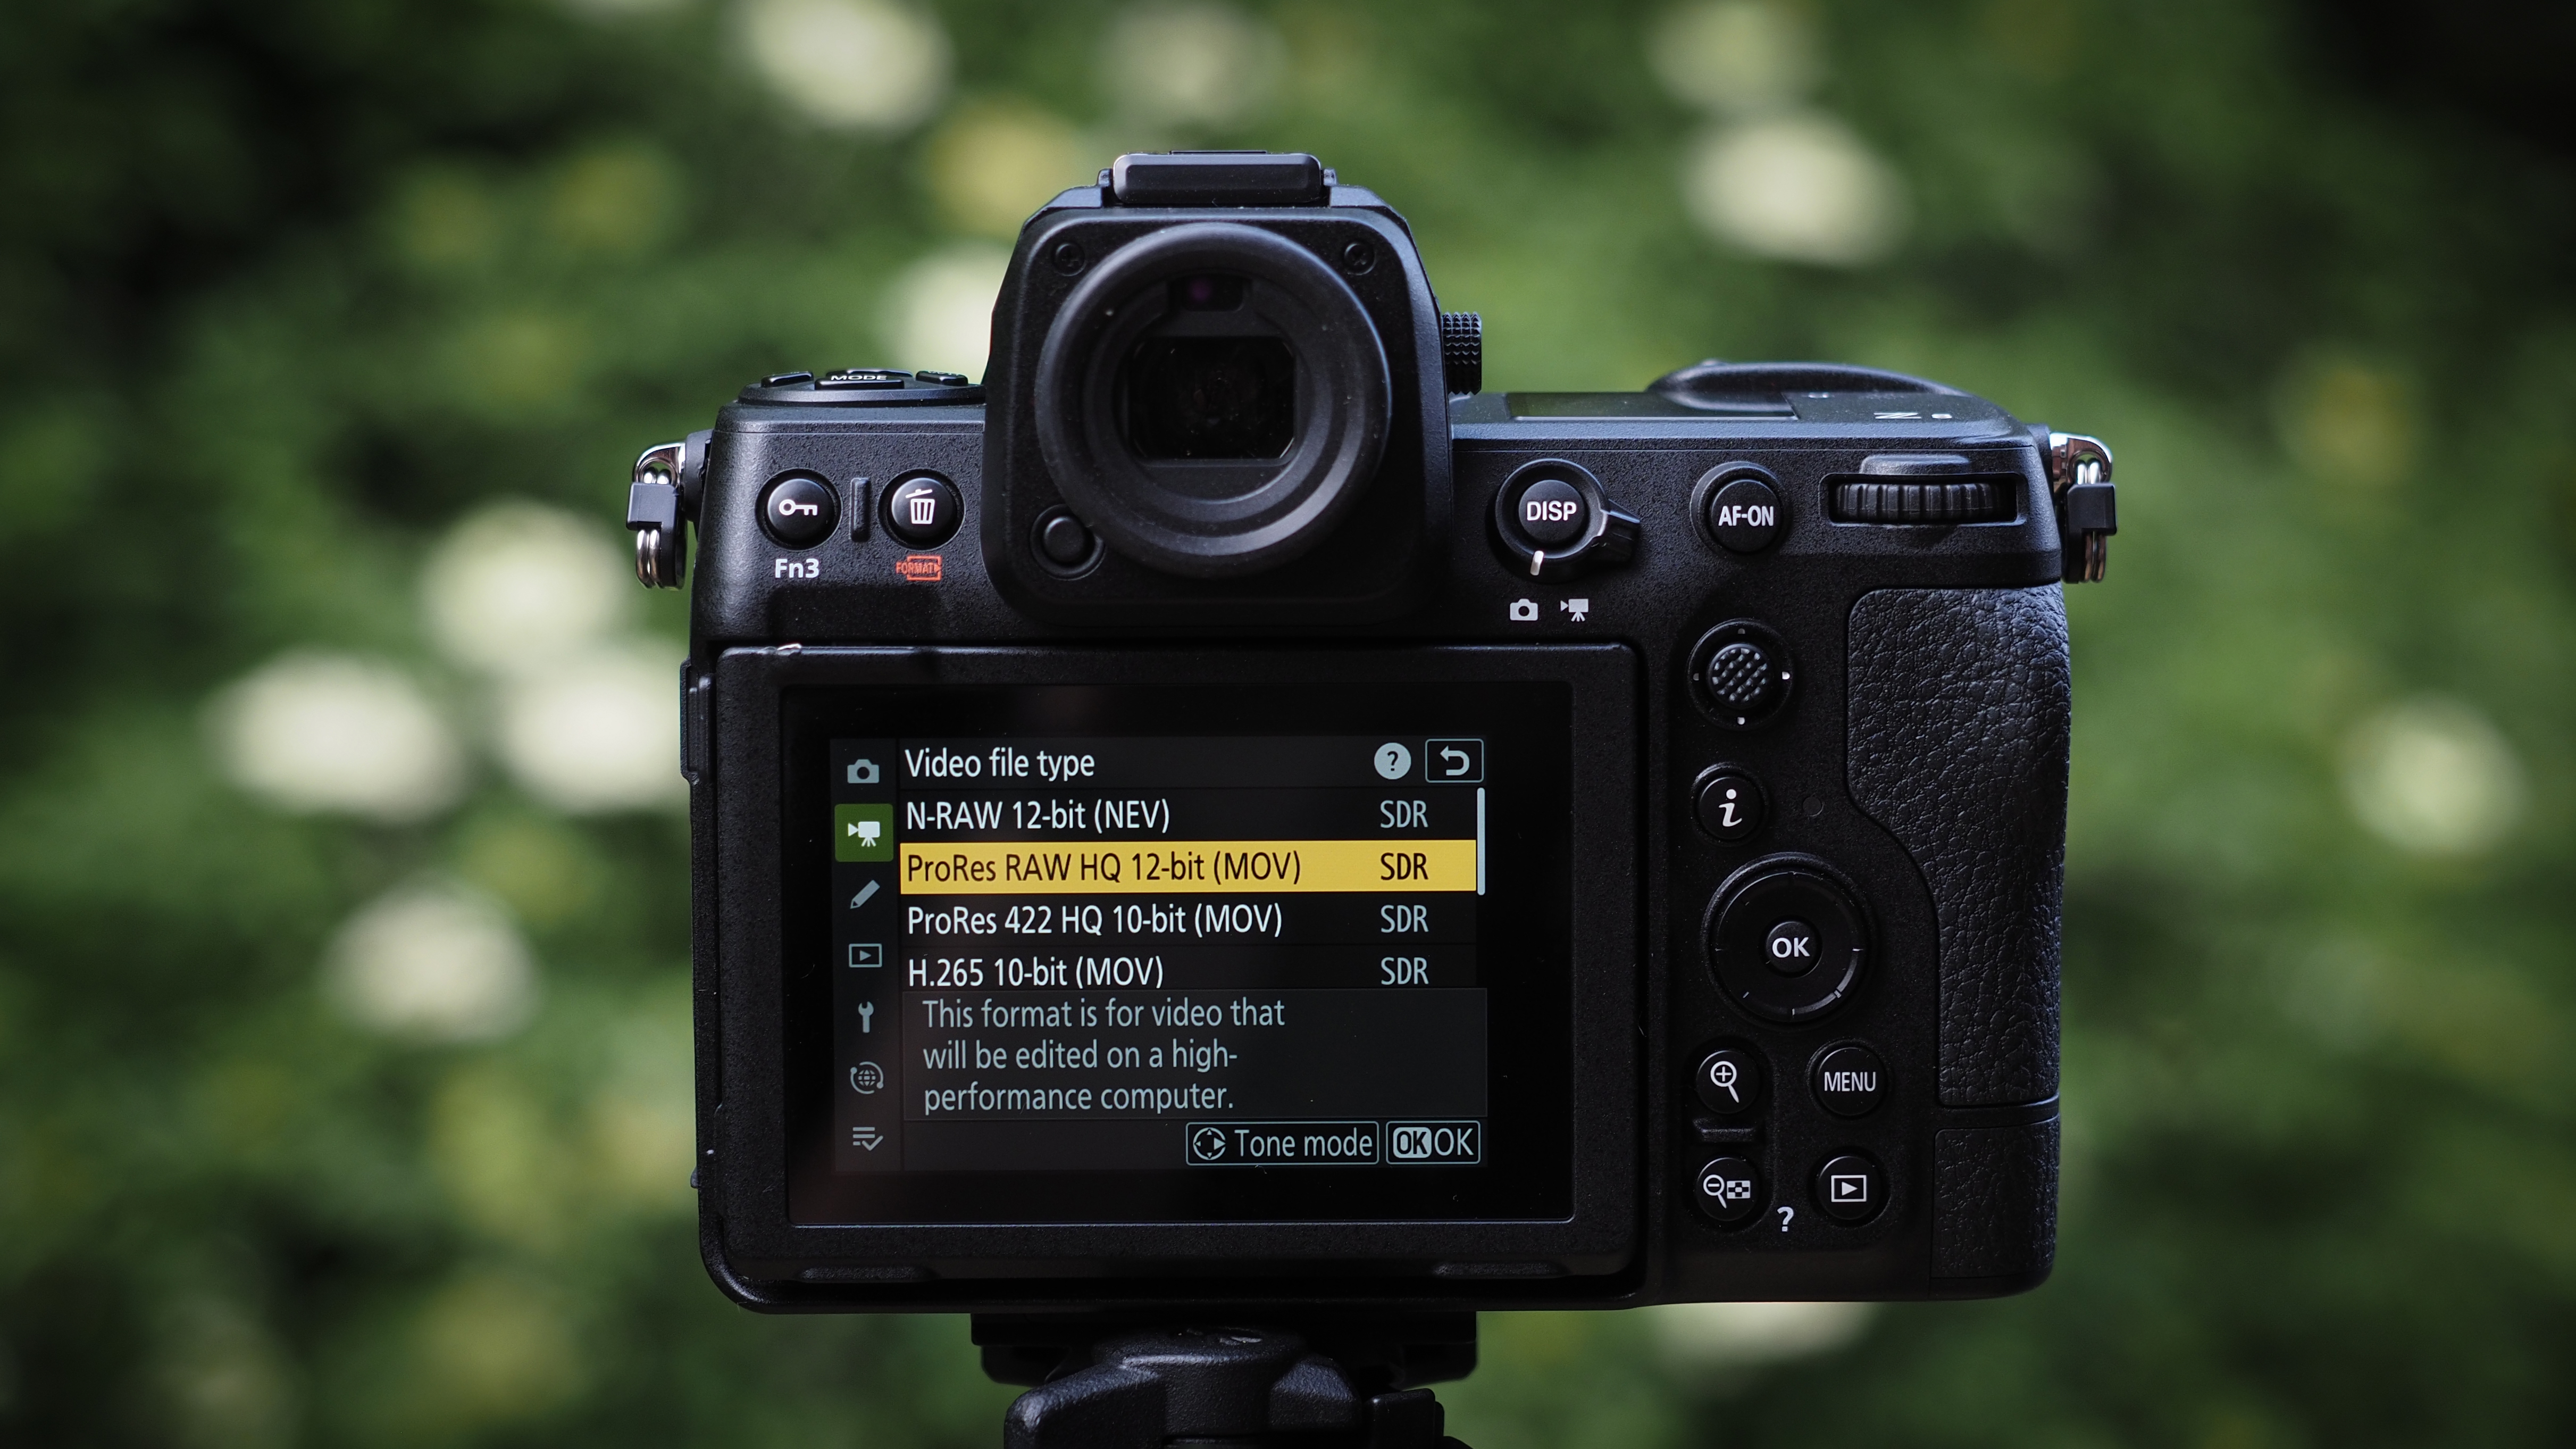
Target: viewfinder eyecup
<point x="1212" y="400"/>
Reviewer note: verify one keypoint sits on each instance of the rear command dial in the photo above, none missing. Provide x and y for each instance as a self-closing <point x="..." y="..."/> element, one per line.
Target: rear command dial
<point x="1785" y="940"/>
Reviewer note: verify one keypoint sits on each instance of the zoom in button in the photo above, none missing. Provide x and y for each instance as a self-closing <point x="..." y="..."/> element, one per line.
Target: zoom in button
<point x="1729" y="1080"/>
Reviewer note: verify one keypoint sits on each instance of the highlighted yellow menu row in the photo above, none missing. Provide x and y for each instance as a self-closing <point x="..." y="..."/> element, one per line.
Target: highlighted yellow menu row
<point x="1187" y="866"/>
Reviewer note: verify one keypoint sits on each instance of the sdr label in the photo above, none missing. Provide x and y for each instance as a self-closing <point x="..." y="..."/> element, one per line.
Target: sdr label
<point x="1435" y="1143"/>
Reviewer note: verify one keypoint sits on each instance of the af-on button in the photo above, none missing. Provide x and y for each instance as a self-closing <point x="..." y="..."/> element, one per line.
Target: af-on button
<point x="1741" y="513"/>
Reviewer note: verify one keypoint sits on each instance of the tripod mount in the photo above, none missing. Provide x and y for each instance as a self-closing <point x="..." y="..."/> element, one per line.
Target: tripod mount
<point x="1141" y="1385"/>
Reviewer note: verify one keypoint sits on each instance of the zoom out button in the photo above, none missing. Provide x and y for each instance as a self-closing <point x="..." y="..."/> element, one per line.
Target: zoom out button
<point x="1726" y="1189"/>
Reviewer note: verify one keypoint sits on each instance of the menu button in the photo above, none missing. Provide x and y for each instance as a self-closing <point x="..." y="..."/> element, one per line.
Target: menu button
<point x="1848" y="1081"/>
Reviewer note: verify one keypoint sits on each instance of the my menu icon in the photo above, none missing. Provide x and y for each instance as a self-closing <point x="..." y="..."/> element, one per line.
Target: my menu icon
<point x="863" y="832"/>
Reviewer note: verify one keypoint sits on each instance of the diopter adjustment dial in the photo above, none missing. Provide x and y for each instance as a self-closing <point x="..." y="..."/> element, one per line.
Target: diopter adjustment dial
<point x="1552" y="521"/>
<point x="1462" y="352"/>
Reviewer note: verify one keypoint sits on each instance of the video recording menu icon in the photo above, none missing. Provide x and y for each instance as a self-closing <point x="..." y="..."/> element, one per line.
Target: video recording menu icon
<point x="863" y="834"/>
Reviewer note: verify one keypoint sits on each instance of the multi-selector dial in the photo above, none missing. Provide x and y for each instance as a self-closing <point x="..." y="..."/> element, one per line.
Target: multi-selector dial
<point x="1741" y="674"/>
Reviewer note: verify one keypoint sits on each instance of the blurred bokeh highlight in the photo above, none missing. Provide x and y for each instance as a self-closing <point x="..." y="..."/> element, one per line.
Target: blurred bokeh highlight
<point x="344" y="1087"/>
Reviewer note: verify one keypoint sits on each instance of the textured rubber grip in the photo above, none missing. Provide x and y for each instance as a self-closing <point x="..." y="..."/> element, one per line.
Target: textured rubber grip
<point x="1958" y="732"/>
<point x="1994" y="1201"/>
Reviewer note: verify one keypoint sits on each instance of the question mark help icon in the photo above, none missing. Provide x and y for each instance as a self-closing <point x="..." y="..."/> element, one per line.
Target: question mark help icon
<point x="1786" y="1213"/>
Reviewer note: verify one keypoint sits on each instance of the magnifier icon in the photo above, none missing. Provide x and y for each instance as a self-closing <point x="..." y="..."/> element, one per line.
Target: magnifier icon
<point x="1721" y="1074"/>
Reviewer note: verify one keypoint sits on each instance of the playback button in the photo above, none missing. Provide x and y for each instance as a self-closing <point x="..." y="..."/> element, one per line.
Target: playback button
<point x="1850" y="1188"/>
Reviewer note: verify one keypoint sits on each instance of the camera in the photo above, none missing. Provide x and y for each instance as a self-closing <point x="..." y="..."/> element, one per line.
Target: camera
<point x="1228" y="815"/>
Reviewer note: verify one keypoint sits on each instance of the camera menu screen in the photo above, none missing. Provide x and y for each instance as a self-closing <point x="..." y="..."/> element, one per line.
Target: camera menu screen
<point x="1157" y="952"/>
<point x="1242" y="973"/>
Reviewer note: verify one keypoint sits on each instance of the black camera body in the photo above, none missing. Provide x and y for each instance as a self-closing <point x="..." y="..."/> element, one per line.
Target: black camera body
<point x="1229" y="815"/>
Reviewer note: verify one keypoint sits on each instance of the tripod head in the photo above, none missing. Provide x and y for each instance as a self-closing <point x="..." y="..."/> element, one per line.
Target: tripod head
<point x="1348" y="1385"/>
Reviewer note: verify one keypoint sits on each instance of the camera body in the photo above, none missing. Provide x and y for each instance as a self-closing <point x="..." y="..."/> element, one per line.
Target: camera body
<point x="1229" y="814"/>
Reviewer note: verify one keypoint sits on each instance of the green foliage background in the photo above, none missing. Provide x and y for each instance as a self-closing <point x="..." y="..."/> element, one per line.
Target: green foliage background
<point x="287" y="285"/>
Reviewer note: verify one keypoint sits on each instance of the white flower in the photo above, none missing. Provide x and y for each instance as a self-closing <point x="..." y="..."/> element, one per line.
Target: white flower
<point x="519" y="586"/>
<point x="598" y="732"/>
<point x="1714" y="1335"/>
<point x="2431" y="775"/>
<point x="1195" y="64"/>
<point x="866" y="65"/>
<point x="314" y="731"/>
<point x="434" y="961"/>
<point x="1734" y="56"/>
<point x="1800" y="188"/>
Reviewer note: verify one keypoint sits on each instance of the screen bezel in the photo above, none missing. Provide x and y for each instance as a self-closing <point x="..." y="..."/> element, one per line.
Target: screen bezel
<point x="751" y="1128"/>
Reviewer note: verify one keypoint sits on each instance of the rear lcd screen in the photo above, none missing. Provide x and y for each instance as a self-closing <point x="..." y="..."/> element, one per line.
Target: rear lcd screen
<point x="1161" y="954"/>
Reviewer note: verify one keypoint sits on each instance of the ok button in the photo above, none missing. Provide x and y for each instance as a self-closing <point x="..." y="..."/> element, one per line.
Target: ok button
<point x="1790" y="948"/>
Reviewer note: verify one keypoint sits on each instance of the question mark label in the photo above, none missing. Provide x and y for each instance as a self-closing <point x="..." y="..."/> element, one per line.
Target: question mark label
<point x="1786" y="1213"/>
